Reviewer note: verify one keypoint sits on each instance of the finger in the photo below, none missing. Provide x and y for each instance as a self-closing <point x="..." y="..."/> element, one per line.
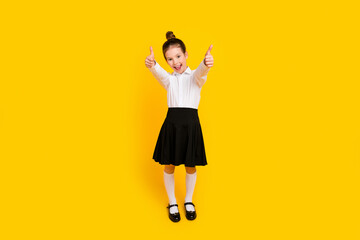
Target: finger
<point x="151" y="52"/>
<point x="209" y="60"/>
<point x="150" y="62"/>
<point x="208" y="51"/>
<point x="149" y="65"/>
<point x="209" y="63"/>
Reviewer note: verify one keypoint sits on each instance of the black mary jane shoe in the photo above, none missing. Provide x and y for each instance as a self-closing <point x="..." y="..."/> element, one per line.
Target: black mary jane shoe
<point x="190" y="215"/>
<point x="175" y="217"/>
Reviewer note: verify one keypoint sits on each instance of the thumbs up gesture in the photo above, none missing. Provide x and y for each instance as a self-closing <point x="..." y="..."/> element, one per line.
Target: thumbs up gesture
<point x="150" y="60"/>
<point x="209" y="60"/>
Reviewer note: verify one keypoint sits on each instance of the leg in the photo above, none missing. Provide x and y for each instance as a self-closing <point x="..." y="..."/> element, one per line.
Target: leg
<point x="190" y="170"/>
<point x="169" y="169"/>
<point x="170" y="186"/>
<point x="190" y="186"/>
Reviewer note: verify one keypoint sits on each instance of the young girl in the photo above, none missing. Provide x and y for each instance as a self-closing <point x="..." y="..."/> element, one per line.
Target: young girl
<point x="180" y="139"/>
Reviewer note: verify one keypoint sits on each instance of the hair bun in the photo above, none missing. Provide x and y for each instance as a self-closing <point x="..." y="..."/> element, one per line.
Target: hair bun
<point x="170" y="35"/>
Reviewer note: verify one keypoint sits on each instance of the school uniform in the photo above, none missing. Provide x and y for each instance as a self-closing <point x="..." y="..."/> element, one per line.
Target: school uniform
<point x="180" y="140"/>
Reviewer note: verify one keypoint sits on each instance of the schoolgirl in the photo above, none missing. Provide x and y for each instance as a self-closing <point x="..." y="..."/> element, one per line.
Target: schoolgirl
<point x="180" y="140"/>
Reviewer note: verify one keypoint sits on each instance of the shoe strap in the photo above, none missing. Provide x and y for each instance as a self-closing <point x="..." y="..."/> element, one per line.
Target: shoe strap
<point x="189" y="203"/>
<point x="172" y="205"/>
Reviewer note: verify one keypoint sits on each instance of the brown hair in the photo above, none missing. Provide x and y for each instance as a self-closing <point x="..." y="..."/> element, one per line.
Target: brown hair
<point x="173" y="41"/>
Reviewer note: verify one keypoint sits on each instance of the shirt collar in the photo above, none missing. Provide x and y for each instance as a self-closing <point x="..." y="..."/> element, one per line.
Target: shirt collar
<point x="187" y="71"/>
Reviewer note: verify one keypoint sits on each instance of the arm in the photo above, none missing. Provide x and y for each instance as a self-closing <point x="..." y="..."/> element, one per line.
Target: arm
<point x="200" y="74"/>
<point x="161" y="75"/>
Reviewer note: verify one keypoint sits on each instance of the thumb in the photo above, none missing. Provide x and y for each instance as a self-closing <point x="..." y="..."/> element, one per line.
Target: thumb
<point x="151" y="52"/>
<point x="208" y="51"/>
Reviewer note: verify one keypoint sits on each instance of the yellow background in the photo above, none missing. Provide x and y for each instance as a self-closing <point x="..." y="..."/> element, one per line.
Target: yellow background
<point x="80" y="114"/>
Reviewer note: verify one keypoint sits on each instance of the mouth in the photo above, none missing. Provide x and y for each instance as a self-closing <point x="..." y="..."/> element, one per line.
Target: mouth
<point x="178" y="67"/>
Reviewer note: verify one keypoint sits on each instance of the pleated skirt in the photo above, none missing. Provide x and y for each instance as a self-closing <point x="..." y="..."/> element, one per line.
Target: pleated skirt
<point x="180" y="140"/>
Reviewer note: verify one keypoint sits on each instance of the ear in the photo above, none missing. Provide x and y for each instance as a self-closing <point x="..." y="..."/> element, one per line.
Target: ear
<point x="186" y="54"/>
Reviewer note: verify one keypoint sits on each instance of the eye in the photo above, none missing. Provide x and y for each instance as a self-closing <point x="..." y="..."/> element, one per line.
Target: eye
<point x="179" y="56"/>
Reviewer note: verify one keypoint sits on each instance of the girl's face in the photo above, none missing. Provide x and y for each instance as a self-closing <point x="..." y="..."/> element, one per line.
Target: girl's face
<point x="176" y="59"/>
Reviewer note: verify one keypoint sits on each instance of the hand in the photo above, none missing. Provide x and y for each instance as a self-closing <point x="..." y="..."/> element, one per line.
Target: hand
<point x="209" y="60"/>
<point x="150" y="60"/>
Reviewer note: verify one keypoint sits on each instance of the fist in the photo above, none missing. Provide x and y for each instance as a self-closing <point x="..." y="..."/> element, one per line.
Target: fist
<point x="150" y="60"/>
<point x="209" y="60"/>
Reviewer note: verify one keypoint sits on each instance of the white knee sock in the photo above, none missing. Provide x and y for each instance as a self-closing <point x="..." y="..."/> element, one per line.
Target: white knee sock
<point x="170" y="189"/>
<point x="190" y="186"/>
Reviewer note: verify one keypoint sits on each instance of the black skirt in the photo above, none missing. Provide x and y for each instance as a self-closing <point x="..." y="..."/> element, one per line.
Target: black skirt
<point x="180" y="139"/>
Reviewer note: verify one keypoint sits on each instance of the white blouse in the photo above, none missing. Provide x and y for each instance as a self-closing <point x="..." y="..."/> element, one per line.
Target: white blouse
<point x="183" y="90"/>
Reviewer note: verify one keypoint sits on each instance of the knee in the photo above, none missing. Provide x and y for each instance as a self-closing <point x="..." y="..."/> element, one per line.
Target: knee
<point x="169" y="169"/>
<point x="190" y="170"/>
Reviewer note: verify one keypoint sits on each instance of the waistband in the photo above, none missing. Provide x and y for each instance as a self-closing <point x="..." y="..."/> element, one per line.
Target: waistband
<point x="182" y="113"/>
<point x="182" y="109"/>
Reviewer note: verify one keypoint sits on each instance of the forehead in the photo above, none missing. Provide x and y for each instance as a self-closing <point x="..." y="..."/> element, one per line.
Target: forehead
<point x="173" y="51"/>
